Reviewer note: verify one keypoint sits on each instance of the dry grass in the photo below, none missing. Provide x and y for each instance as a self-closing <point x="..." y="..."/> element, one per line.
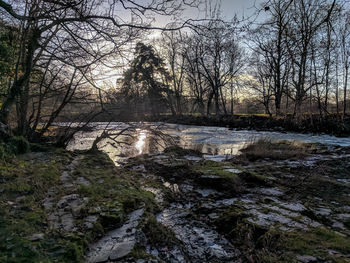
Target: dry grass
<point x="275" y="150"/>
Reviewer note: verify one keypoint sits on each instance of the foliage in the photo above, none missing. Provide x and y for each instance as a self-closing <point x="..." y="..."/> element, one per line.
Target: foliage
<point x="146" y="78"/>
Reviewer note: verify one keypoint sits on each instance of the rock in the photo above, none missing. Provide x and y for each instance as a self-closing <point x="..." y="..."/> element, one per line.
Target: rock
<point x="36" y="237"/>
<point x="90" y="221"/>
<point x="173" y="187"/>
<point x="67" y="222"/>
<point x="5" y="129"/>
<point x="200" y="240"/>
<point x="83" y="181"/>
<point x="343" y="217"/>
<point x="268" y="191"/>
<point x="306" y="259"/>
<point x="120" y="250"/>
<point x="323" y="211"/>
<point x="65" y="177"/>
<point x="233" y="170"/>
<point x="117" y="243"/>
<point x="193" y="158"/>
<point x="139" y="168"/>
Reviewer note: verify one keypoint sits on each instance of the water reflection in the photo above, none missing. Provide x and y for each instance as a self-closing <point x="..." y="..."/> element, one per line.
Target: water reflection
<point x="155" y="137"/>
<point x="141" y="142"/>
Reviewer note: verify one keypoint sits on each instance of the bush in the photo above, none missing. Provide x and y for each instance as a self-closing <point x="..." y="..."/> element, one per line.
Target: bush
<point x="18" y="145"/>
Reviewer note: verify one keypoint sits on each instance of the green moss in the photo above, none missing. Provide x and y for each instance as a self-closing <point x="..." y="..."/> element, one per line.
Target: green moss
<point x="318" y="239"/>
<point x="215" y="168"/>
<point x="139" y="253"/>
<point x="157" y="234"/>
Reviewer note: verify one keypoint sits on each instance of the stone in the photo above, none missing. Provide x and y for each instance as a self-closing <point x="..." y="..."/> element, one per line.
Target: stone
<point x="36" y="237"/>
<point x="83" y="181"/>
<point x="193" y="158"/>
<point x="118" y="243"/>
<point x="121" y="250"/>
<point x="198" y="238"/>
<point x="323" y="211"/>
<point x="306" y="259"/>
<point x="233" y="170"/>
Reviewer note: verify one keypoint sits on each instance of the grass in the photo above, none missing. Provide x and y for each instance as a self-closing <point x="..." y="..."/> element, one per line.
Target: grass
<point x="275" y="150"/>
<point x="157" y="234"/>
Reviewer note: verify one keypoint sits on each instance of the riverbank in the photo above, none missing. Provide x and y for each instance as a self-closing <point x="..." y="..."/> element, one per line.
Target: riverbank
<point x="61" y="206"/>
<point x="332" y="124"/>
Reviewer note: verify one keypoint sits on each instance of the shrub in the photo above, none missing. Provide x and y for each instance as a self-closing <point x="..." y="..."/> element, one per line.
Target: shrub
<point x="18" y="145"/>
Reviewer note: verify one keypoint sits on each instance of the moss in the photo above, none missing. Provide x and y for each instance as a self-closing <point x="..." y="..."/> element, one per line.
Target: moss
<point x="139" y="253"/>
<point x="318" y="239"/>
<point x="157" y="234"/>
<point x="74" y="252"/>
<point x="215" y="168"/>
<point x="25" y="183"/>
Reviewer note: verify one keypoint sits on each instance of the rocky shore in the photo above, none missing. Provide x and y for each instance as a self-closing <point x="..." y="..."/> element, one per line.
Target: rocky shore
<point x="176" y="206"/>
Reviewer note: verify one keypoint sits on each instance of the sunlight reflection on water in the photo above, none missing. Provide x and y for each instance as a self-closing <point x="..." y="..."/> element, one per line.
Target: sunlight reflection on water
<point x="141" y="142"/>
<point x="214" y="142"/>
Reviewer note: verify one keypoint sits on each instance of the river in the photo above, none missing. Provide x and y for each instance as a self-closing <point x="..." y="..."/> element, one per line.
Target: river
<point x="216" y="143"/>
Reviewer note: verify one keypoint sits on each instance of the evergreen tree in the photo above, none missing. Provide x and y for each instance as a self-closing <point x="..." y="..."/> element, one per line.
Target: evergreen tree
<point x="146" y="81"/>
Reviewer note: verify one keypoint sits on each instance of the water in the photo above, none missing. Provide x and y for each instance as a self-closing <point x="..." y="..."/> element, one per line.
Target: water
<point x="215" y="142"/>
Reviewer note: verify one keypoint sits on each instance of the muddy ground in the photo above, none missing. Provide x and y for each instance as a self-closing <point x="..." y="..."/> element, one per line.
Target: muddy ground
<point x="60" y="206"/>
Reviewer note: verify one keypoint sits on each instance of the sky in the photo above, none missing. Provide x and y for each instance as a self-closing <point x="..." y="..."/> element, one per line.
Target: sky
<point x="229" y="8"/>
<point x="240" y="7"/>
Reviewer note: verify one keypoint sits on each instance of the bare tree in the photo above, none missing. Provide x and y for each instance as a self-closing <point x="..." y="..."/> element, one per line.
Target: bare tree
<point x="221" y="59"/>
<point x="305" y="20"/>
<point x="81" y="35"/>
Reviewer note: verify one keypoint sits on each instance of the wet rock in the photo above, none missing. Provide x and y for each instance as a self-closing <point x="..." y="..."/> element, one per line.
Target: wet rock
<point x="67" y="222"/>
<point x="193" y="158"/>
<point x="90" y="221"/>
<point x="306" y="259"/>
<point x="323" y="211"/>
<point x="122" y="249"/>
<point x="83" y="181"/>
<point x="201" y="242"/>
<point x="173" y="187"/>
<point x="117" y="243"/>
<point x="343" y="217"/>
<point x="206" y="192"/>
<point x="233" y="170"/>
<point x="139" y="168"/>
<point x="268" y="191"/>
<point x="158" y="194"/>
<point x="36" y="237"/>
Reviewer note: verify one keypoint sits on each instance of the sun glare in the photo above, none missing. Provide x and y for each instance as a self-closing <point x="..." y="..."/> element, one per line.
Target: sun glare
<point x="140" y="144"/>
